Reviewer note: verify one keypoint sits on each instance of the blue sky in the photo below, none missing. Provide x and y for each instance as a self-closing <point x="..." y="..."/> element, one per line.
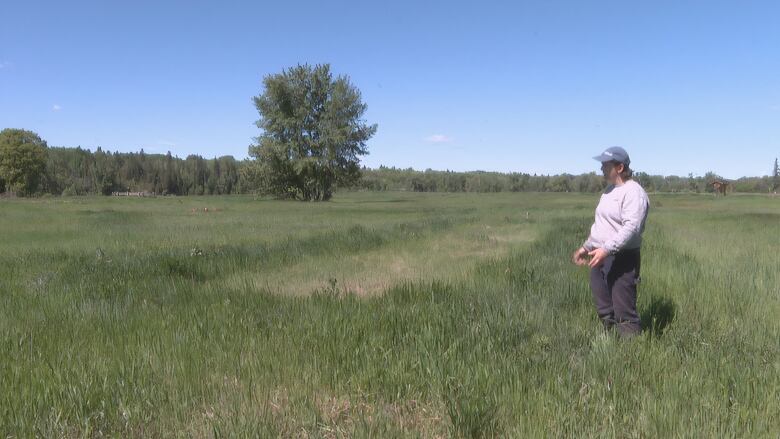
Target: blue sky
<point x="540" y="87"/>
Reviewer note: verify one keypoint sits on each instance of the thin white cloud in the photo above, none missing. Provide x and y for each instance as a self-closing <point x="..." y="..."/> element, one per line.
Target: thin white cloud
<point x="166" y="143"/>
<point x="438" y="138"/>
<point x="56" y="107"/>
<point x="5" y="64"/>
<point x="775" y="107"/>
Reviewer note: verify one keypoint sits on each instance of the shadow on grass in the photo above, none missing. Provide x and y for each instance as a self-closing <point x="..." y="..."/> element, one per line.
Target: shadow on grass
<point x="657" y="317"/>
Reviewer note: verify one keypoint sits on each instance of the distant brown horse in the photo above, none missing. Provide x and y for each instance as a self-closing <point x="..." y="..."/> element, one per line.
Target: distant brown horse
<point x="720" y="187"/>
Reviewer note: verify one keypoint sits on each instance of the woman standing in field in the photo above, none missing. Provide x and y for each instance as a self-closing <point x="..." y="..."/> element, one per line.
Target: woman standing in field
<point x="614" y="242"/>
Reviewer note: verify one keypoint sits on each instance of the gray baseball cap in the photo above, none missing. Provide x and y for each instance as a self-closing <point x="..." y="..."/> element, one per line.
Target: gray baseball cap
<point x="614" y="153"/>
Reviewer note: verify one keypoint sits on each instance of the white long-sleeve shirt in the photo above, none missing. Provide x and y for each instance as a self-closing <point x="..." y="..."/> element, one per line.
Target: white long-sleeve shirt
<point x="620" y="218"/>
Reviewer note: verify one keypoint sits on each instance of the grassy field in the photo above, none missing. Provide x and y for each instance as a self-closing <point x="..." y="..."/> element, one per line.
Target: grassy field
<point x="381" y="315"/>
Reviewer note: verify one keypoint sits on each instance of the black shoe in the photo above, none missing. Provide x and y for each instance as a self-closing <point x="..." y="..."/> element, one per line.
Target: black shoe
<point x="608" y="323"/>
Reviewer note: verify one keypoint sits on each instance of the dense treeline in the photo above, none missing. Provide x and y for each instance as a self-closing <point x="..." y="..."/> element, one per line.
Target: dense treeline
<point x="384" y="178"/>
<point x="389" y="179"/>
<point x="29" y="167"/>
<point x="76" y="171"/>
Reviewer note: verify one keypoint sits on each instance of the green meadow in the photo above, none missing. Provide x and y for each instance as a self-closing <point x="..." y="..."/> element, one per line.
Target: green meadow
<point x="381" y="315"/>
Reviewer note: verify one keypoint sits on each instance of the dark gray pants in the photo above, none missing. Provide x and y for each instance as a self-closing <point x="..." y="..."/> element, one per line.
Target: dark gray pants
<point x="614" y="291"/>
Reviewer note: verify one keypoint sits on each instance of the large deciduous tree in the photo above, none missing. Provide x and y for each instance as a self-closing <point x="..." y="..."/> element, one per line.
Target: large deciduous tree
<point x="22" y="161"/>
<point x="313" y="134"/>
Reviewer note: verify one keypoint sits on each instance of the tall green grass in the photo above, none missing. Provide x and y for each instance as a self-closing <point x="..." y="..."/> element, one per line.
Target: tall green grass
<point x="144" y="319"/>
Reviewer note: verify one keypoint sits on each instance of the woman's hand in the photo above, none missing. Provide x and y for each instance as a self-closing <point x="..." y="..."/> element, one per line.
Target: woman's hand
<point x="597" y="257"/>
<point x="578" y="257"/>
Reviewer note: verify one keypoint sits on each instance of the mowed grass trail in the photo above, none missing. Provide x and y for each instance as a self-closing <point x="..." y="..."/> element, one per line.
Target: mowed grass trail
<point x="381" y="315"/>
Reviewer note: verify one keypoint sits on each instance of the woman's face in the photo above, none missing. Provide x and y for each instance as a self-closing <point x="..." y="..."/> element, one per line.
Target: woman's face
<point x="611" y="171"/>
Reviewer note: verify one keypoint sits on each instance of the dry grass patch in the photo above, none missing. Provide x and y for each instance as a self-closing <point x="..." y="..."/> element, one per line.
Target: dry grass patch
<point x="322" y="415"/>
<point x="444" y="256"/>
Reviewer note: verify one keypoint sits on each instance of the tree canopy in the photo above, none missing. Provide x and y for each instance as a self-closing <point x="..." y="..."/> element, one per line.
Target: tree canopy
<point x="22" y="161"/>
<point x="313" y="134"/>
